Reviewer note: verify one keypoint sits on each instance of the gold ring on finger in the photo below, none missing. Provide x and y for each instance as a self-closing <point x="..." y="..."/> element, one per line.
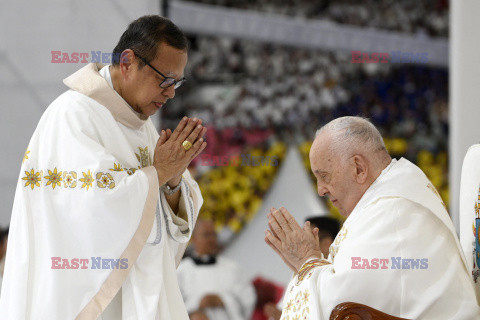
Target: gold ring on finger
<point x="187" y="145"/>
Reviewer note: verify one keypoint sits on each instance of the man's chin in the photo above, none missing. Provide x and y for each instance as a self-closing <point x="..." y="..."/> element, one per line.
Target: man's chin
<point x="344" y="212"/>
<point x="340" y="210"/>
<point x="149" y="112"/>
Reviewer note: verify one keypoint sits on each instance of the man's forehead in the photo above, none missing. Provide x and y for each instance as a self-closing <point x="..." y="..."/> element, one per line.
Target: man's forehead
<point x="170" y="61"/>
<point x="320" y="155"/>
<point x="167" y="69"/>
<point x="320" y="146"/>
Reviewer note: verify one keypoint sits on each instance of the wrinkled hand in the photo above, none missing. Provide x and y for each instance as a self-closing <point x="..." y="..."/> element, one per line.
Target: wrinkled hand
<point x="170" y="158"/>
<point x="211" y="301"/>
<point x="292" y="243"/>
<point x="272" y="312"/>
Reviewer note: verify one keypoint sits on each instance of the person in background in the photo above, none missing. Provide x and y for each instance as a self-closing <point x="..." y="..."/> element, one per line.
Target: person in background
<point x="327" y="231"/>
<point x="213" y="287"/>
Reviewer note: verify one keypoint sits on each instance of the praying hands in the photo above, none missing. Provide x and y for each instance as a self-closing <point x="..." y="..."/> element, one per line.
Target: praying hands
<point x="295" y="245"/>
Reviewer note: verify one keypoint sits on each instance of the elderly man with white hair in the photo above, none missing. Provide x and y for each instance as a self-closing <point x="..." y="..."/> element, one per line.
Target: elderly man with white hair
<point x="396" y="252"/>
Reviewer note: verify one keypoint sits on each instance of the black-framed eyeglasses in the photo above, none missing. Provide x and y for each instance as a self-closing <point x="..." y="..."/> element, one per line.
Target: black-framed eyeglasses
<point x="167" y="81"/>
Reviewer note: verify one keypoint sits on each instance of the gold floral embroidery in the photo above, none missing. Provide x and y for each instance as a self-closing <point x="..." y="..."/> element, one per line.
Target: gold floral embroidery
<point x="144" y="157"/>
<point x="306" y="313"/>
<point x="117" y="167"/>
<point x="69" y="179"/>
<point x="54" y="178"/>
<point x="25" y="156"/>
<point x="32" y="178"/>
<point x="305" y="297"/>
<point x="105" y="180"/>
<point x="289" y="306"/>
<point x="87" y="179"/>
<point x="298" y="299"/>
<point x="341" y="236"/>
<point x="298" y="307"/>
<point x="131" y="171"/>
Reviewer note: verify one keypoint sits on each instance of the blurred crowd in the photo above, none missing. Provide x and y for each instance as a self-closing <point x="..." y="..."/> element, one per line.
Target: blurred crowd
<point x="292" y="91"/>
<point x="255" y="95"/>
<point x="235" y="190"/>
<point x="410" y="16"/>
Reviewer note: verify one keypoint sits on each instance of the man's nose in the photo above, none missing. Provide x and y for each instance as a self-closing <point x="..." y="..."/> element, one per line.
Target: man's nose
<point x="322" y="191"/>
<point x="169" y="92"/>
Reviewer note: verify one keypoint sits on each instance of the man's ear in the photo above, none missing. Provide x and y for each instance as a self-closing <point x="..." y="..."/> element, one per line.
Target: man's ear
<point x="361" y="168"/>
<point x="127" y="62"/>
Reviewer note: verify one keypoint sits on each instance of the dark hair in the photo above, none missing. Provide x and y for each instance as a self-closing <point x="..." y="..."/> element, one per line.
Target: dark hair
<point x="327" y="226"/>
<point x="145" y="34"/>
<point x="3" y="234"/>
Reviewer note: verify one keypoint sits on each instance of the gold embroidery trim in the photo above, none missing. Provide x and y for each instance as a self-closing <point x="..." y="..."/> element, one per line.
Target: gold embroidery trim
<point x="70" y="179"/>
<point x="84" y="179"/>
<point x="307" y="267"/>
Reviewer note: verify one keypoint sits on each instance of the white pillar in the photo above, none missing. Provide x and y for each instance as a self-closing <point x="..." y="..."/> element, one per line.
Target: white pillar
<point x="464" y="90"/>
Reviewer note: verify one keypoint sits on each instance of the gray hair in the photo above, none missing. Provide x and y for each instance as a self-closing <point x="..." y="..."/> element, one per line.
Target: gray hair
<point x="352" y="134"/>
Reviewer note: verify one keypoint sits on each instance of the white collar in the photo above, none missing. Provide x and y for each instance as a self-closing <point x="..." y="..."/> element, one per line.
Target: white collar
<point x="105" y="73"/>
<point x="89" y="82"/>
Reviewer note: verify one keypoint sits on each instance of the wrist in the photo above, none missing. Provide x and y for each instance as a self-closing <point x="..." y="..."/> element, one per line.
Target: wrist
<point x="168" y="190"/>
<point x="174" y="182"/>
<point x="309" y="258"/>
<point x="161" y="175"/>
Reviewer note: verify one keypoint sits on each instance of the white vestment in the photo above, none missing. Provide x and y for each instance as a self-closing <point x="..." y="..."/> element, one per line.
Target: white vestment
<point x="423" y="275"/>
<point x="470" y="213"/>
<point x="223" y="278"/>
<point x="89" y="220"/>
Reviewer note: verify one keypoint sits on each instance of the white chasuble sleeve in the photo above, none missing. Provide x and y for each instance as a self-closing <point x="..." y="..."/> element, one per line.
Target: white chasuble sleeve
<point x="151" y="290"/>
<point x="397" y="257"/>
<point x="82" y="213"/>
<point x="179" y="226"/>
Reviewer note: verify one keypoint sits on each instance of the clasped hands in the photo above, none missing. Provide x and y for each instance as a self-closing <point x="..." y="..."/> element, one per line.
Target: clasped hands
<point x="208" y="301"/>
<point x="170" y="158"/>
<point x="295" y="245"/>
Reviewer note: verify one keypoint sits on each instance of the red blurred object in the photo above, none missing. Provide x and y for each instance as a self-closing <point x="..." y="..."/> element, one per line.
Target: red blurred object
<point x="267" y="292"/>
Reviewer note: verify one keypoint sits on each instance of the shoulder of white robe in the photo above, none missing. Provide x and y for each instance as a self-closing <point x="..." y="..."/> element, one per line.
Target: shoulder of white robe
<point x="89" y="82"/>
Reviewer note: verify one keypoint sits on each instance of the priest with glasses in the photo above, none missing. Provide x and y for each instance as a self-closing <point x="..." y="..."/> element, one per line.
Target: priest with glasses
<point x="105" y="205"/>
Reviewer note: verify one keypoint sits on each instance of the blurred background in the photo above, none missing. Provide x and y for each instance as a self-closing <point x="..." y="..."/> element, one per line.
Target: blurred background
<point x="264" y="76"/>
